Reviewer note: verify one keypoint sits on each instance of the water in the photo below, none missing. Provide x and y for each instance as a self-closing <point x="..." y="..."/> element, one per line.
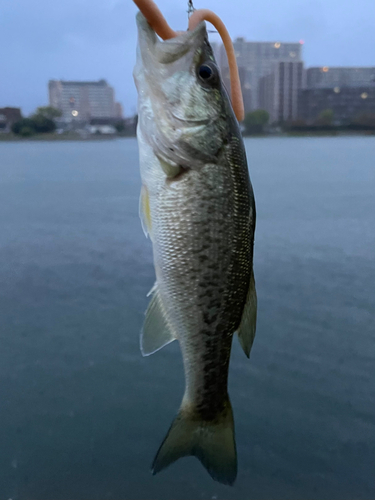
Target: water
<point x="82" y="413"/>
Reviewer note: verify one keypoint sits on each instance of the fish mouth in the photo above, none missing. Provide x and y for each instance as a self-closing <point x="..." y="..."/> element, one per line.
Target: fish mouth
<point x="193" y="123"/>
<point x="167" y="51"/>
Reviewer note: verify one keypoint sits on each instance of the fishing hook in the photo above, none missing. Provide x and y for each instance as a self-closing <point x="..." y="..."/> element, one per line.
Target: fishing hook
<point x="191" y="8"/>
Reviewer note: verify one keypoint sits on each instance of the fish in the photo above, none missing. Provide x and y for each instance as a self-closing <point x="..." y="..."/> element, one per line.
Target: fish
<point x="197" y="206"/>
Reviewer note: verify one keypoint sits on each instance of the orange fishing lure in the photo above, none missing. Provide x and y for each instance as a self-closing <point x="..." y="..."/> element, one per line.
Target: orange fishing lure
<point x="158" y="23"/>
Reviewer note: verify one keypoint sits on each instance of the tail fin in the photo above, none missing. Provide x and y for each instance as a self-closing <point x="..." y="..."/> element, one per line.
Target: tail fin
<point x="212" y="442"/>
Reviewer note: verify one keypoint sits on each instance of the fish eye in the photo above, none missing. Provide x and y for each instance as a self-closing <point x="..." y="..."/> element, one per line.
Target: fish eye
<point x="207" y="73"/>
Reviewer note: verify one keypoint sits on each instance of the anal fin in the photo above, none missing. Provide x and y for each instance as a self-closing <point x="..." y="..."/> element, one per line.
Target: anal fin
<point x="246" y="330"/>
<point x="156" y="332"/>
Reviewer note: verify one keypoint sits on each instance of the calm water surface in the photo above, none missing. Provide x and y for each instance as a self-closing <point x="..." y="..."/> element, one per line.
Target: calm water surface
<point x="82" y="413"/>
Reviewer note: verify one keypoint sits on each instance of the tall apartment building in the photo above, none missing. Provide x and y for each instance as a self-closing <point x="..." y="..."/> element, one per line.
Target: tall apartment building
<point x="348" y="91"/>
<point x="279" y="91"/>
<point x="256" y="60"/>
<point x="347" y="103"/>
<point x="327" y="77"/>
<point x="83" y="100"/>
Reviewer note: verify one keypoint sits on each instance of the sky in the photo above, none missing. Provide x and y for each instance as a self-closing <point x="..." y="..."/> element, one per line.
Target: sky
<point x="93" y="39"/>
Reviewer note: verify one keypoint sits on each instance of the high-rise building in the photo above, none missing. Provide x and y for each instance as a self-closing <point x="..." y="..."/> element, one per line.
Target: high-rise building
<point x="279" y="91"/>
<point x="327" y="77"/>
<point x="349" y="92"/>
<point x="256" y="60"/>
<point x="346" y="103"/>
<point x="82" y="100"/>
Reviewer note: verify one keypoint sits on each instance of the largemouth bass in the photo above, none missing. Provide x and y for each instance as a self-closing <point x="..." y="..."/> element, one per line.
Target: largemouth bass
<point x="197" y="205"/>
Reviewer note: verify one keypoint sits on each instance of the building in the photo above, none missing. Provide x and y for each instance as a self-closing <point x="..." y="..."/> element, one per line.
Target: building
<point x="327" y="77"/>
<point x="279" y="91"/>
<point x="256" y="60"/>
<point x="81" y="101"/>
<point x="347" y="103"/>
<point x="118" y="110"/>
<point x="104" y="126"/>
<point x="348" y="91"/>
<point x="8" y="116"/>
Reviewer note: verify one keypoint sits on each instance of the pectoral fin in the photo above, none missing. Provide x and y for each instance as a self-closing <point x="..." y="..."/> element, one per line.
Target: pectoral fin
<point x="170" y="168"/>
<point x="246" y="330"/>
<point x="156" y="332"/>
<point x="144" y="211"/>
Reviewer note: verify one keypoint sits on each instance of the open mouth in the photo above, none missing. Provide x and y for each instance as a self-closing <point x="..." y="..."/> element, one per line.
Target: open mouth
<point x="193" y="123"/>
<point x="172" y="49"/>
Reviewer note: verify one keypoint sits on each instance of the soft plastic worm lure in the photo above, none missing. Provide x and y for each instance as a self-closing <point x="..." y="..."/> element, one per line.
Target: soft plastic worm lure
<point x="158" y="23"/>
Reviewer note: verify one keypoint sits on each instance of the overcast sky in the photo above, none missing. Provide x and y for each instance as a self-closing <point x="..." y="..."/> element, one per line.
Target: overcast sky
<point x="93" y="39"/>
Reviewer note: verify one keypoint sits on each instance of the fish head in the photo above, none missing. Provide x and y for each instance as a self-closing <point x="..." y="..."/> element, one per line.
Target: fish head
<point x="183" y="107"/>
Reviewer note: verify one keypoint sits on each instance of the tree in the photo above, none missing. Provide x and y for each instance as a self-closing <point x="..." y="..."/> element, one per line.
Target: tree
<point x="26" y="132"/>
<point x="325" y="117"/>
<point x="120" y="126"/>
<point x="42" y="124"/>
<point x="255" y="121"/>
<point x="35" y="124"/>
<point x="48" y="112"/>
<point x="24" y="123"/>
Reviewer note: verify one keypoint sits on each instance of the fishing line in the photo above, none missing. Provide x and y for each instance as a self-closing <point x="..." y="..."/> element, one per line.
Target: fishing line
<point x="191" y="8"/>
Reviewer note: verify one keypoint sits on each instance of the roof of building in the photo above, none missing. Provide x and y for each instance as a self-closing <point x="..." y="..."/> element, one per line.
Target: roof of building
<point x="81" y="83"/>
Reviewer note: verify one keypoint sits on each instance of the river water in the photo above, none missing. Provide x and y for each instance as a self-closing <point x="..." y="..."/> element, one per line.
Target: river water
<point x="82" y="413"/>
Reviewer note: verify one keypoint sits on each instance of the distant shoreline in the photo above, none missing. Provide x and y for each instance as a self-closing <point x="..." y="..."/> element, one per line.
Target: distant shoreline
<point x="313" y="134"/>
<point x="57" y="137"/>
<point x="102" y="137"/>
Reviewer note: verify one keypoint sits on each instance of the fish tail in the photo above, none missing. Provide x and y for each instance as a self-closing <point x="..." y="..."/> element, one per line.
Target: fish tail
<point x="211" y="441"/>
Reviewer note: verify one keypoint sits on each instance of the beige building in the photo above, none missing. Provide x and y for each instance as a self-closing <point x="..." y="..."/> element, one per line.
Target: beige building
<point x="83" y="100"/>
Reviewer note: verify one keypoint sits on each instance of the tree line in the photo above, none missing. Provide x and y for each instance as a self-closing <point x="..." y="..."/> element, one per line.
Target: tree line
<point x="41" y="122"/>
<point x="256" y="122"/>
